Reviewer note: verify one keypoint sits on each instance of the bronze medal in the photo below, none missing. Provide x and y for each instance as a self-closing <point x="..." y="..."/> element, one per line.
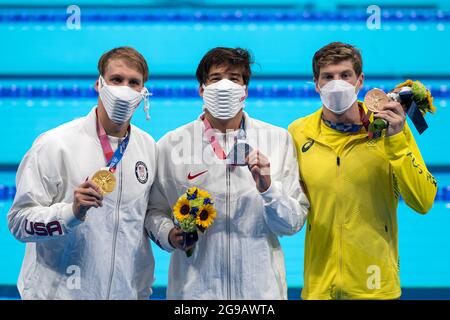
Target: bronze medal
<point x="375" y="99"/>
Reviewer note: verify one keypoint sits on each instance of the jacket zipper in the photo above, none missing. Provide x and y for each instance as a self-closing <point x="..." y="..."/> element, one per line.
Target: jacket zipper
<point x="228" y="230"/>
<point x="341" y="281"/>
<point x="116" y="228"/>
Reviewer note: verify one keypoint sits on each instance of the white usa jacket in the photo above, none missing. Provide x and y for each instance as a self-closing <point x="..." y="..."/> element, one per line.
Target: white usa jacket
<point x="239" y="256"/>
<point x="108" y="256"/>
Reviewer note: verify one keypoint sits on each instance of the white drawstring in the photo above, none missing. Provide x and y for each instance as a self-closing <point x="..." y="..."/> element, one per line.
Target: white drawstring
<point x="146" y="94"/>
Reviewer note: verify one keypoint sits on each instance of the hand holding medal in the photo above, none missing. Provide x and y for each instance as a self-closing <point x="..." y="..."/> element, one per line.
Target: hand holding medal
<point x="90" y="193"/>
<point x="414" y="98"/>
<point x="86" y="196"/>
<point x="388" y="114"/>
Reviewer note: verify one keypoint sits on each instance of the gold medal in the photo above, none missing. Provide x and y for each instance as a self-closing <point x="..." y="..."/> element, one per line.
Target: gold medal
<point x="105" y="180"/>
<point x="375" y="99"/>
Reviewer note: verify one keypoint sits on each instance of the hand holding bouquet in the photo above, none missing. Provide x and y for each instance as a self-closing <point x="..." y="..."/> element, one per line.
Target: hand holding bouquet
<point x="194" y="211"/>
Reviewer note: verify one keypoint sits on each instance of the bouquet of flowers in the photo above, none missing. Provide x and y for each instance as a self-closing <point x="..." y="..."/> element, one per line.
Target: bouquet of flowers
<point x="194" y="211"/>
<point x="421" y="95"/>
<point x="407" y="92"/>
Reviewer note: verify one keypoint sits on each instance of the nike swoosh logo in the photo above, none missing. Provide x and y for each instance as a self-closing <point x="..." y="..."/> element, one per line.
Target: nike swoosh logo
<point x="190" y="177"/>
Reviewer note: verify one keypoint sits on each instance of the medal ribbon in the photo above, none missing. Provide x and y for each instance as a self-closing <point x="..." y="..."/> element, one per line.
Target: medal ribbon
<point x="209" y="132"/>
<point x="112" y="158"/>
<point x="350" y="127"/>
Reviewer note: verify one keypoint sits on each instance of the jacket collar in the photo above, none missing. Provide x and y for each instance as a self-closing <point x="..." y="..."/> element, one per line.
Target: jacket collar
<point x="248" y="124"/>
<point x="311" y="126"/>
<point x="90" y="126"/>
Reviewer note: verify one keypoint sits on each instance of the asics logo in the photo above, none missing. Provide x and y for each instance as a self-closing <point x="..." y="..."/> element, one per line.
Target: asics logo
<point x="307" y="145"/>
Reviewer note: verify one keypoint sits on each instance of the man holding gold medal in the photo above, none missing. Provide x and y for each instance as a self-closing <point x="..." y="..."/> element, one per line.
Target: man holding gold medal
<point x="354" y="181"/>
<point x="82" y="193"/>
<point x="244" y="173"/>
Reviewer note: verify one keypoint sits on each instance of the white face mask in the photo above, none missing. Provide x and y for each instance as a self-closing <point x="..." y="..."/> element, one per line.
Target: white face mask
<point x="223" y="99"/>
<point x="338" y="96"/>
<point x="120" y="102"/>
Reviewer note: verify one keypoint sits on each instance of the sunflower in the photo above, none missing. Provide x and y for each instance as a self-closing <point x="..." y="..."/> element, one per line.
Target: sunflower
<point x="181" y="209"/>
<point x="203" y="194"/>
<point x="204" y="198"/>
<point x="206" y="216"/>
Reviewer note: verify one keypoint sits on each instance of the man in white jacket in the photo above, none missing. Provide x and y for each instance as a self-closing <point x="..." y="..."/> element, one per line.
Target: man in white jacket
<point x="84" y="227"/>
<point x="257" y="193"/>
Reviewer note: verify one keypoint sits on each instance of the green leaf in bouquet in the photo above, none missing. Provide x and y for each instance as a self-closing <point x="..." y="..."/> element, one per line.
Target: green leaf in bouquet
<point x="377" y="125"/>
<point x="419" y="91"/>
<point x="198" y="202"/>
<point x="188" y="225"/>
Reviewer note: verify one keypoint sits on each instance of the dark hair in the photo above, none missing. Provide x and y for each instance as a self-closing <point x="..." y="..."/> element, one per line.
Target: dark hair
<point x="129" y="55"/>
<point x="335" y="53"/>
<point x="221" y="56"/>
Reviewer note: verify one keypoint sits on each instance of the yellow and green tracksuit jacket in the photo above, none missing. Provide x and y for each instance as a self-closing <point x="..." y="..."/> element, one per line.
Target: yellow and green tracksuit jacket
<point x="353" y="184"/>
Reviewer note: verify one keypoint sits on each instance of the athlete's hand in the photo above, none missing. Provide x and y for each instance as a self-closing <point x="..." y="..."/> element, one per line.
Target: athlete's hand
<point x="176" y="239"/>
<point x="394" y="114"/>
<point x="86" y="196"/>
<point x="259" y="166"/>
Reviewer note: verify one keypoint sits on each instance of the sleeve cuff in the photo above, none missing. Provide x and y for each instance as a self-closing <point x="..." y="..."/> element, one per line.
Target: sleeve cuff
<point x="271" y="193"/>
<point x="68" y="217"/>
<point x="164" y="237"/>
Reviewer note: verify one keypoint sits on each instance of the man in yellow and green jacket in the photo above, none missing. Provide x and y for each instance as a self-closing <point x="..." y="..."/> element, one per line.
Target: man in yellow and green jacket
<point x="353" y="184"/>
